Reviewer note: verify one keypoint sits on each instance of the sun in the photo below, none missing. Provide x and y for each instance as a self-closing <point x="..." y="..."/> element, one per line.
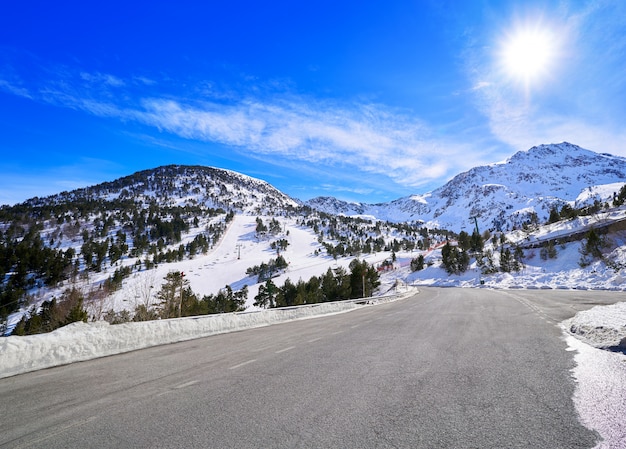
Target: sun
<point x="528" y="53"/>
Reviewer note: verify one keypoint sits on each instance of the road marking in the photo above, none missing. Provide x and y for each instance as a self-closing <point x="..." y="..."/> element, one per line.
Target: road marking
<point x="186" y="384"/>
<point x="284" y="350"/>
<point x="243" y="364"/>
<point x="56" y="432"/>
<point x="262" y="348"/>
<point x="314" y="339"/>
<point x="354" y="326"/>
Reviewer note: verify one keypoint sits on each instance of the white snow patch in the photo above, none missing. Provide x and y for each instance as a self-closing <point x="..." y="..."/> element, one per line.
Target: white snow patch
<point x="601" y="326"/>
<point x="600" y="395"/>
<point x="600" y="192"/>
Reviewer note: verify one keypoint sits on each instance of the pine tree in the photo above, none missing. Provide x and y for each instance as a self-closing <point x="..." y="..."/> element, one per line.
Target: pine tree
<point x="417" y="263"/>
<point x="518" y="255"/>
<point x="620" y="198"/>
<point x="476" y="242"/>
<point x="591" y="248"/>
<point x="464" y="240"/>
<point x="171" y="294"/>
<point x="287" y="294"/>
<point x="266" y="296"/>
<point x="554" y="215"/>
<point x="77" y="313"/>
<point x="453" y="260"/>
<point x="227" y="301"/>
<point x="505" y="260"/>
<point x="362" y="276"/>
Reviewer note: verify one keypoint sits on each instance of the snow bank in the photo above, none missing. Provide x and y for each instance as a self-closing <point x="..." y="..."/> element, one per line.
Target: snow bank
<point x="602" y="327"/>
<point x="600" y="397"/>
<point x="84" y="341"/>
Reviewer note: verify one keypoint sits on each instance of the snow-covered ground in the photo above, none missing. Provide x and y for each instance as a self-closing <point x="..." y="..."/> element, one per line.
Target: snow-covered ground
<point x="226" y="264"/>
<point x="600" y="395"/>
<point x="561" y="272"/>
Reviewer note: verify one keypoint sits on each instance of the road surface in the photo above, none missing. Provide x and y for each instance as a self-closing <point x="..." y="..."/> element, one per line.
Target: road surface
<point x="464" y="368"/>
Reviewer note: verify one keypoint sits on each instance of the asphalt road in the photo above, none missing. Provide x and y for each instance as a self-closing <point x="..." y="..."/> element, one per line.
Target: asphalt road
<point x="449" y="368"/>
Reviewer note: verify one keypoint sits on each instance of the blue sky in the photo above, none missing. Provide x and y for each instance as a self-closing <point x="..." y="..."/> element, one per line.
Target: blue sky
<point x="362" y="100"/>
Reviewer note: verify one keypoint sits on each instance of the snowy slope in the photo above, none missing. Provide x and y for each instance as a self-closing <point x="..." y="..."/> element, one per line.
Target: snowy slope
<point x="226" y="264"/>
<point x="503" y="195"/>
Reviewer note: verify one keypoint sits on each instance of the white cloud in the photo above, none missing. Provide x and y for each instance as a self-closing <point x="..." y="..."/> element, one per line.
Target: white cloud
<point x="371" y="137"/>
<point x="102" y="78"/>
<point x="14" y="90"/>
<point x="350" y="139"/>
<point x="481" y="85"/>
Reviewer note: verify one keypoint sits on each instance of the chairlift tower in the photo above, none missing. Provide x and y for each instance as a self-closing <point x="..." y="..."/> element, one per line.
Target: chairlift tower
<point x="475" y="218"/>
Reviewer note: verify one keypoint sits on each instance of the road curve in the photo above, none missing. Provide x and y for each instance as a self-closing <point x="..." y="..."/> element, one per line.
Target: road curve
<point x="446" y="368"/>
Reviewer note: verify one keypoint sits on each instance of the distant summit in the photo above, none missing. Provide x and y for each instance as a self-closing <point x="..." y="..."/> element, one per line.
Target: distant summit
<point x="503" y="195"/>
<point x="182" y="185"/>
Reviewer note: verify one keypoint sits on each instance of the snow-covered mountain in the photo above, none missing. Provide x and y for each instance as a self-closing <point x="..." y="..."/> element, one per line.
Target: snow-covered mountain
<point x="178" y="185"/>
<point x="503" y="195"/>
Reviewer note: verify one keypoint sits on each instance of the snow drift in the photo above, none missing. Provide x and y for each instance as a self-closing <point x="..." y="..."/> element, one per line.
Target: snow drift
<point x="84" y="341"/>
<point x="603" y="327"/>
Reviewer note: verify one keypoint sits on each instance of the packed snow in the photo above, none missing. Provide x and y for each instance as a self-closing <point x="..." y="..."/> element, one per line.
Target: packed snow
<point x="602" y="327"/>
<point x="600" y="395"/>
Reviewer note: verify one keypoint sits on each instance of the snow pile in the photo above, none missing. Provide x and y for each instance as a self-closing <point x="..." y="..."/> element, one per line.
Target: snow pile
<point x="602" y="327"/>
<point x="600" y="397"/>
<point x="84" y="341"/>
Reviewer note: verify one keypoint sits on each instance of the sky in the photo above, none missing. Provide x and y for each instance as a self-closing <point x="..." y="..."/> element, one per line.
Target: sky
<point x="366" y="101"/>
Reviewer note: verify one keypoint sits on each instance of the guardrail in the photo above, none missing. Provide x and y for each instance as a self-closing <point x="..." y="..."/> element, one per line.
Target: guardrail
<point x="410" y="290"/>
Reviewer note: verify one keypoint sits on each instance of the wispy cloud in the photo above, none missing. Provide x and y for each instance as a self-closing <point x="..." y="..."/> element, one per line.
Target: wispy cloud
<point x="13" y="89"/>
<point x="102" y="79"/>
<point x="371" y="138"/>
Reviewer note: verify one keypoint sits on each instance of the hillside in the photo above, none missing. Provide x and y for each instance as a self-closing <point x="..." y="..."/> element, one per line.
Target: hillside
<point x="113" y="244"/>
<point x="504" y="195"/>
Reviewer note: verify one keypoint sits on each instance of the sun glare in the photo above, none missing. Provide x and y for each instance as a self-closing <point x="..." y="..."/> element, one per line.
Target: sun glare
<point x="527" y="54"/>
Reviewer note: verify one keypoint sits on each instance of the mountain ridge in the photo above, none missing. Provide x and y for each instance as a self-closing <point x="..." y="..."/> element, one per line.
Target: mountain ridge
<point x="180" y="185"/>
<point x="502" y="195"/>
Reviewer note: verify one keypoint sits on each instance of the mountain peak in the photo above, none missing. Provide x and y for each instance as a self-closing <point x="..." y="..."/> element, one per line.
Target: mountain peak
<point x="549" y="152"/>
<point x="170" y="185"/>
<point x="507" y="194"/>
